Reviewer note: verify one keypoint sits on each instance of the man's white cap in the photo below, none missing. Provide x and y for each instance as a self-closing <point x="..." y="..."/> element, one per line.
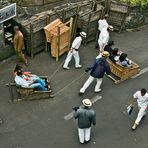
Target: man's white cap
<point x="87" y="102"/>
<point x="110" y="27"/>
<point x="83" y="34"/>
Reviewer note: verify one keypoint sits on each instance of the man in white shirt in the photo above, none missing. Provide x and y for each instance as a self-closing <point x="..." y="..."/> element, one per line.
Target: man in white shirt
<point x="104" y="37"/>
<point x="102" y="23"/>
<point x="74" y="52"/>
<point x="37" y="84"/>
<point x="142" y="100"/>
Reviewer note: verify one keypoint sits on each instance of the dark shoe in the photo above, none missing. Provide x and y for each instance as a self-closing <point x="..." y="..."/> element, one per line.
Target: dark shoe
<point x="143" y="117"/>
<point x="87" y="141"/>
<point x="80" y="93"/>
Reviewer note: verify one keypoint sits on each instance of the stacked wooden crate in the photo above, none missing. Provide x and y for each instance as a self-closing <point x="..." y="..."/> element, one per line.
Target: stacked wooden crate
<point x="58" y="34"/>
<point x="34" y="34"/>
<point x="117" y="15"/>
<point x="88" y="22"/>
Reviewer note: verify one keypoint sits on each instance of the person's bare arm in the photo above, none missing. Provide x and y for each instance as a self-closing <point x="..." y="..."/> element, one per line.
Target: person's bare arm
<point x="133" y="100"/>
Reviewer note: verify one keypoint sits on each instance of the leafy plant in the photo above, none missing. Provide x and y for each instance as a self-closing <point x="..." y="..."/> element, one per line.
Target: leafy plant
<point x="142" y="3"/>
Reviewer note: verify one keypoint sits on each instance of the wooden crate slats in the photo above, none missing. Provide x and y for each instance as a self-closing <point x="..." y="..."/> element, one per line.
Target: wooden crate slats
<point x="114" y="6"/>
<point x="58" y="34"/>
<point x="38" y="38"/>
<point x="70" y="12"/>
<point x="117" y="14"/>
<point x="88" y="22"/>
<point x="85" y="5"/>
<point x="123" y="73"/>
<point x="39" y="25"/>
<point x="56" y="14"/>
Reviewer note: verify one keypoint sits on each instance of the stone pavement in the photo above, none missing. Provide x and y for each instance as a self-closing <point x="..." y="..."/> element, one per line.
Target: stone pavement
<point x="41" y="123"/>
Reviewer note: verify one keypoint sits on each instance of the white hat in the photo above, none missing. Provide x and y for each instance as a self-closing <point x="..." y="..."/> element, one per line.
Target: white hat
<point x="110" y="27"/>
<point x="87" y="102"/>
<point x="83" y="34"/>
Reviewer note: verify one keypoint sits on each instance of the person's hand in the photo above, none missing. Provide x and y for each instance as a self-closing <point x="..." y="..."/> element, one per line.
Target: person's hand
<point x="75" y="108"/>
<point x="86" y="70"/>
<point x="131" y="105"/>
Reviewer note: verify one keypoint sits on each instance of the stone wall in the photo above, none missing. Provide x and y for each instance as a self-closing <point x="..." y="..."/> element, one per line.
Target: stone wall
<point x="4" y="3"/>
<point x="136" y="18"/>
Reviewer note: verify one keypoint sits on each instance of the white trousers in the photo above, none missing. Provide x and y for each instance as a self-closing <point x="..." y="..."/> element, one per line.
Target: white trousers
<point x="99" y="56"/>
<point x="84" y="134"/>
<point x="101" y="45"/>
<point x="141" y="113"/>
<point x="76" y="56"/>
<point x="89" y="81"/>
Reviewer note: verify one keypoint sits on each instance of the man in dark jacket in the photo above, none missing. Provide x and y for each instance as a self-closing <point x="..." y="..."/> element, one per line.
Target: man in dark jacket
<point x="97" y="71"/>
<point x="86" y="117"/>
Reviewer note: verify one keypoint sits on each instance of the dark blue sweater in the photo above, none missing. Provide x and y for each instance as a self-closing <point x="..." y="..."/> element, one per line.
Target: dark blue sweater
<point x="99" y="68"/>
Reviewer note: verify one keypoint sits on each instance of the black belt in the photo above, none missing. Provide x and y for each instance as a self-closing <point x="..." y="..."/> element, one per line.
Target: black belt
<point x="75" y="49"/>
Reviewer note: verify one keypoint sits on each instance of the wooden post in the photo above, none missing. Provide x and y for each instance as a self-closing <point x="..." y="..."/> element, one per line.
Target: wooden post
<point x="31" y="47"/>
<point x="75" y="23"/>
<point x="107" y="6"/>
<point x="4" y="44"/>
<point x="70" y="32"/>
<point x="58" y="43"/>
<point x="64" y="16"/>
<point x="10" y="92"/>
<point x="47" y="22"/>
<point x="94" y="5"/>
<point x="87" y="30"/>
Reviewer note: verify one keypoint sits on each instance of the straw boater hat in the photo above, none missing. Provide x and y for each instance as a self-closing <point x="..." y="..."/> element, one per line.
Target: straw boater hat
<point x="87" y="102"/>
<point x="105" y="54"/>
<point x="110" y="27"/>
<point x="83" y="34"/>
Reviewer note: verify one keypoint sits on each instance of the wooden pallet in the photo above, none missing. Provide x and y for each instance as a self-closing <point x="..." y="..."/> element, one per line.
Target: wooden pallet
<point x="122" y="73"/>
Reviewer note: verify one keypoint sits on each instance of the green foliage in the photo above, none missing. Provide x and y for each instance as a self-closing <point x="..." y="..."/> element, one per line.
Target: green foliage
<point x="142" y="3"/>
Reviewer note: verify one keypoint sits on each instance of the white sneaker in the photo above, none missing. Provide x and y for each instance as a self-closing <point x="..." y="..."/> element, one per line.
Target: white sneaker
<point x="82" y="91"/>
<point x="98" y="90"/>
<point x="134" y="126"/>
<point x="66" y="68"/>
<point x="79" y="66"/>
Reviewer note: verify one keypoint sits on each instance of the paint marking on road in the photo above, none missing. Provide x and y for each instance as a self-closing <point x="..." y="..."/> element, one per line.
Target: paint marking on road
<point x="94" y="99"/>
<point x="144" y="70"/>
